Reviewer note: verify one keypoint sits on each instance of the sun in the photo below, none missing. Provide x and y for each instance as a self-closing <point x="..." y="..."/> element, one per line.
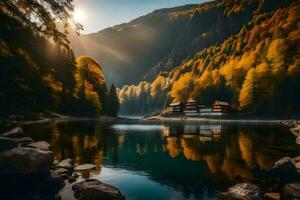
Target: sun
<point x="79" y="15"/>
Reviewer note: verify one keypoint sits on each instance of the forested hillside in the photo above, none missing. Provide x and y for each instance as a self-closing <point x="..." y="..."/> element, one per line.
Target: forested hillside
<point x="38" y="69"/>
<point x="257" y="69"/>
<point x="161" y="40"/>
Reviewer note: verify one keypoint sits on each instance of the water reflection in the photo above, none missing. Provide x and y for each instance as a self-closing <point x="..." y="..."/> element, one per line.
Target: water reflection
<point x="179" y="161"/>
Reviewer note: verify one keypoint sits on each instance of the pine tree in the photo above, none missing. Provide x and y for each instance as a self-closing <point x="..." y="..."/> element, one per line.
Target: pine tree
<point x="113" y="103"/>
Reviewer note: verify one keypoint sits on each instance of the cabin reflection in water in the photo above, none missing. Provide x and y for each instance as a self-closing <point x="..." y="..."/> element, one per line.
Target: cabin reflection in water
<point x="205" y="132"/>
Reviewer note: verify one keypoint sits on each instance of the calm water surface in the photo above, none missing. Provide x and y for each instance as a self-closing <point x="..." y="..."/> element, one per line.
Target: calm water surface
<point x="169" y="161"/>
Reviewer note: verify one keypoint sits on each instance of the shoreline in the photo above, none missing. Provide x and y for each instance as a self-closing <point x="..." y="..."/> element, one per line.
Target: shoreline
<point x="213" y="120"/>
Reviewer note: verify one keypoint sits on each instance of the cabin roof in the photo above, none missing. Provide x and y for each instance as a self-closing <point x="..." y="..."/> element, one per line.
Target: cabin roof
<point x="223" y="103"/>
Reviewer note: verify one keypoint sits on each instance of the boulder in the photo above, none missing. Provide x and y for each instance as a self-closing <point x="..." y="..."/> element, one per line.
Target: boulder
<point x="291" y="191"/>
<point x="285" y="169"/>
<point x="7" y="143"/>
<point x="84" y="167"/>
<point x="242" y="191"/>
<point x="66" y="163"/>
<point x="42" y="145"/>
<point x="92" y="189"/>
<point x="24" y="160"/>
<point x="13" y="133"/>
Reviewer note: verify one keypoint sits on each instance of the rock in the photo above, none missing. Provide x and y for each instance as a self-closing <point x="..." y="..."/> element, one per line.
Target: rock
<point x="291" y="191"/>
<point x="72" y="179"/>
<point x="297" y="165"/>
<point x="84" y="167"/>
<point x="296" y="159"/>
<point x="42" y="145"/>
<point x="296" y="131"/>
<point x="13" y="133"/>
<point x="23" y="140"/>
<point x="285" y="169"/>
<point x="243" y="191"/>
<point x="7" y="143"/>
<point x="281" y="162"/>
<point x="56" y="181"/>
<point x="298" y="140"/>
<point x="55" y="162"/>
<point x="92" y="189"/>
<point x="61" y="171"/>
<point x="65" y="175"/>
<point x="66" y="163"/>
<point x="272" y="196"/>
<point x="24" y="160"/>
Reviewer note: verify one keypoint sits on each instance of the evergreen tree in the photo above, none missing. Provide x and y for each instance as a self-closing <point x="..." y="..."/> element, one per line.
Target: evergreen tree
<point x="113" y="101"/>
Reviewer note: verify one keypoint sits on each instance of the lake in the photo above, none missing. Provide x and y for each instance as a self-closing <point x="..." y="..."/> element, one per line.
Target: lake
<point x="168" y="161"/>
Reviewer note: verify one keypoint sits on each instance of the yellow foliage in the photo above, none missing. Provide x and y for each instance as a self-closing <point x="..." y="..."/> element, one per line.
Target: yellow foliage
<point x="276" y="53"/>
<point x="182" y="87"/>
<point x="246" y="94"/>
<point x="91" y="95"/>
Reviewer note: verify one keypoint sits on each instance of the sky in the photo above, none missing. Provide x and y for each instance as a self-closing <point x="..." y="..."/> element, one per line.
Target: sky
<point x="96" y="15"/>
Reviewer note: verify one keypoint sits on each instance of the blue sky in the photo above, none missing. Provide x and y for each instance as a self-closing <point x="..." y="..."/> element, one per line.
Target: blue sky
<point x="100" y="14"/>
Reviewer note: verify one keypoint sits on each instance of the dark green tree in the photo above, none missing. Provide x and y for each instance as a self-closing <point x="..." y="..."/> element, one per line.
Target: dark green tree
<point x="113" y="102"/>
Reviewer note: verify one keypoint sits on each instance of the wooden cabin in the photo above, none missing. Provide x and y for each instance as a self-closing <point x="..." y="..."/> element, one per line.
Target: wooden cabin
<point x="221" y="107"/>
<point x="191" y="106"/>
<point x="176" y="107"/>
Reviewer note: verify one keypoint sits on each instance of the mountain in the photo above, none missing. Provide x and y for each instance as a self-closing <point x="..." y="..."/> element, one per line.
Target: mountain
<point x="257" y="69"/>
<point x="139" y="50"/>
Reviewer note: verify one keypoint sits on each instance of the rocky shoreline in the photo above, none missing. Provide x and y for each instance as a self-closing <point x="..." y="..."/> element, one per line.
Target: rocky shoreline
<point x="29" y="171"/>
<point x="286" y="170"/>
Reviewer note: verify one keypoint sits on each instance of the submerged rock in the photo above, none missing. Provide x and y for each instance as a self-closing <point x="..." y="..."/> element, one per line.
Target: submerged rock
<point x="92" y="189"/>
<point x="84" y="167"/>
<point x="291" y="191"/>
<point x="13" y="133"/>
<point x="242" y="191"/>
<point x="7" y="143"/>
<point x="24" y="160"/>
<point x="42" y="145"/>
<point x="66" y="163"/>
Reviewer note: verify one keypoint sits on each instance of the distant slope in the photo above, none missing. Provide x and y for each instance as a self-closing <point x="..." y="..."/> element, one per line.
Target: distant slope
<point x="161" y="40"/>
<point x="257" y="70"/>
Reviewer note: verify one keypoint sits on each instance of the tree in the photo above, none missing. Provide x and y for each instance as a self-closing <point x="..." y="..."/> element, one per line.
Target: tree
<point x="248" y="93"/>
<point x="114" y="101"/>
<point x="42" y="16"/>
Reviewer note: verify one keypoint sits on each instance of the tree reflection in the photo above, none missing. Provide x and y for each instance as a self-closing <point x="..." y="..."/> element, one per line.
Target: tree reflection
<point x="193" y="159"/>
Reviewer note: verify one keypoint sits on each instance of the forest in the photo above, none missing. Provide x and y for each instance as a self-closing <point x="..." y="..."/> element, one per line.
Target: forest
<point x="39" y="71"/>
<point x="256" y="70"/>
